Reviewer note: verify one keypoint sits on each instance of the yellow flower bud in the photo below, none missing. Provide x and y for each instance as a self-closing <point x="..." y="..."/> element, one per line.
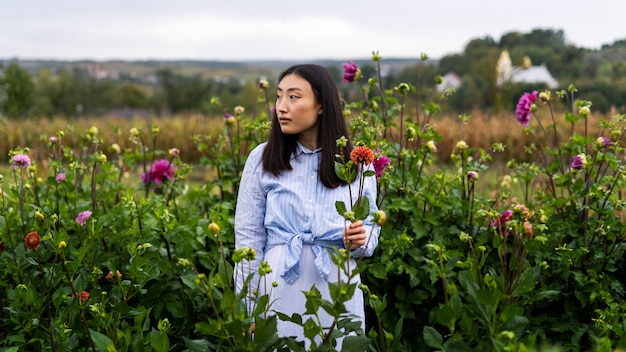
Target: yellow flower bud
<point x="116" y="148"/>
<point x="61" y="245"/>
<point x="214" y="229"/>
<point x="584" y="111"/>
<point x="431" y="146"/>
<point x="380" y="217"/>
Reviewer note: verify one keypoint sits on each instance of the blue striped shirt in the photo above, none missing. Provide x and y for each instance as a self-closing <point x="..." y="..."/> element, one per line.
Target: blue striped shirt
<point x="295" y="209"/>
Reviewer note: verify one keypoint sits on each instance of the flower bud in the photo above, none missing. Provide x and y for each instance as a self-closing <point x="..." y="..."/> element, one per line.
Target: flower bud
<point x="214" y="229"/>
<point x="584" y="111"/>
<point x="134" y="132"/>
<point x="116" y="148"/>
<point x="544" y="96"/>
<point x="472" y="176"/>
<point x="174" y="152"/>
<point x="403" y="88"/>
<point x="603" y="142"/>
<point x="380" y="217"/>
<point x="375" y="56"/>
<point x="102" y="158"/>
<point x="410" y="133"/>
<point x="239" y="110"/>
<point x="342" y="142"/>
<point x="229" y="119"/>
<point x="62" y="245"/>
<point x="164" y="325"/>
<point x="39" y="215"/>
<point x="528" y="229"/>
<point x="461" y="145"/>
<point x="431" y="146"/>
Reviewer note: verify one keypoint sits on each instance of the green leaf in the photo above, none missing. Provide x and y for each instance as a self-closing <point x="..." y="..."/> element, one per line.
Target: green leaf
<point x="162" y="343"/>
<point x="339" y="171"/>
<point x="198" y="345"/>
<point x="362" y="208"/>
<point x="341" y="207"/>
<point x="527" y="281"/>
<point x="266" y="333"/>
<point x="432" y="337"/>
<point x="101" y="341"/>
<point x="355" y="343"/>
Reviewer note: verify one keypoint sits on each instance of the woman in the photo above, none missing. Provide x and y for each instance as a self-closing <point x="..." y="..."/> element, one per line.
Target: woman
<point x="286" y="204"/>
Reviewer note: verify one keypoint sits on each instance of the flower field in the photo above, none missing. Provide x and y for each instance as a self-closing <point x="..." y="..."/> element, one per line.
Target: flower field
<point x="109" y="240"/>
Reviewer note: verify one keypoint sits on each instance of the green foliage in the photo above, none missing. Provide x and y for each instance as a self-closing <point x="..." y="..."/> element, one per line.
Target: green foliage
<point x="16" y="91"/>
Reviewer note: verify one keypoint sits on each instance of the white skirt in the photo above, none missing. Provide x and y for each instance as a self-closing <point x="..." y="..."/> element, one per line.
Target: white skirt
<point x="289" y="299"/>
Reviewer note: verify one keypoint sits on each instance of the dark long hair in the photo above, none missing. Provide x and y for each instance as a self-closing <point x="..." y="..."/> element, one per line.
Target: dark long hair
<point x="332" y="126"/>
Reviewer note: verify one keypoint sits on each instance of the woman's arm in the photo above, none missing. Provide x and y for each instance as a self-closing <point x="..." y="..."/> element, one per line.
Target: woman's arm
<point x="249" y="222"/>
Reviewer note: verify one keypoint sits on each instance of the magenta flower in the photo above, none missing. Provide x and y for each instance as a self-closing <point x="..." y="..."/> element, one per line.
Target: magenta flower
<point x="579" y="162"/>
<point x="161" y="171"/>
<point x="380" y="164"/>
<point x="21" y="161"/>
<point x="82" y="218"/>
<point x="350" y="72"/>
<point x="53" y="139"/>
<point x="504" y="218"/>
<point x="60" y="177"/>
<point x="524" y="107"/>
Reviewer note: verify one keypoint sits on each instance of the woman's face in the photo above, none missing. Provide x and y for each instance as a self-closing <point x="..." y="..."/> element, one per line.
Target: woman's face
<point x="297" y="109"/>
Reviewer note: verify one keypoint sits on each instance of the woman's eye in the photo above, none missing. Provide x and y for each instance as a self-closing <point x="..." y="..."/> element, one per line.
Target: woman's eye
<point x="293" y="96"/>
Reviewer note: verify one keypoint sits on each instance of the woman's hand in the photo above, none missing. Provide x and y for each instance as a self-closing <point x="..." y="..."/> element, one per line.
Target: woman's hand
<point x="354" y="235"/>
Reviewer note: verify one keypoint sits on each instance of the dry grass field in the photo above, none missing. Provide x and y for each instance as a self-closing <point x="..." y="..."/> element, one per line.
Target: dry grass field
<point x="482" y="131"/>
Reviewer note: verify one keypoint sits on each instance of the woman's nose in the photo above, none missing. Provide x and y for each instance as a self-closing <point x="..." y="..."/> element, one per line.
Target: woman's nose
<point x="281" y="106"/>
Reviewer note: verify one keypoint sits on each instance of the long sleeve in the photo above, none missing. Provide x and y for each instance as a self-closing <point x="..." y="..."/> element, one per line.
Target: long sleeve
<point x="250" y="231"/>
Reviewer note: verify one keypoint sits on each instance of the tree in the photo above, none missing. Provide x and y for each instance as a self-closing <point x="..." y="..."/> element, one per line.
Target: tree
<point x="183" y="93"/>
<point x="18" y="97"/>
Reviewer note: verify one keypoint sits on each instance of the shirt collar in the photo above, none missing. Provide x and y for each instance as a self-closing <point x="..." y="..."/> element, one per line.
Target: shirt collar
<point x="300" y="149"/>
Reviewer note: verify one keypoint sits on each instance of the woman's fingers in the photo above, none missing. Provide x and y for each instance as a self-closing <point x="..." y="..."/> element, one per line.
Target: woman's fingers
<point x="355" y="234"/>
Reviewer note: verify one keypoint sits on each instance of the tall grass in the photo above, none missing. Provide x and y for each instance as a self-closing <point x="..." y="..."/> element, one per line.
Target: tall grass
<point x="178" y="131"/>
<point x="175" y="132"/>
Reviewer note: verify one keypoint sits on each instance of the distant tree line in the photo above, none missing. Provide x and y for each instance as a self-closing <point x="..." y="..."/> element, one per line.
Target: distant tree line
<point x="599" y="76"/>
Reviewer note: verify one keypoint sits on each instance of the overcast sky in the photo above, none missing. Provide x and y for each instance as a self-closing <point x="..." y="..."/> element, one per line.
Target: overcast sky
<point x="301" y="29"/>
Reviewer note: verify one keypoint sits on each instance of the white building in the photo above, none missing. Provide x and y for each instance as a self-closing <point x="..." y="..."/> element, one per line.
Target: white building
<point x="527" y="74"/>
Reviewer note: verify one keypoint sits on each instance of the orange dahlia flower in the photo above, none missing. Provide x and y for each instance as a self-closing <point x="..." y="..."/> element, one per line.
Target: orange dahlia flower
<point x="362" y="155"/>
